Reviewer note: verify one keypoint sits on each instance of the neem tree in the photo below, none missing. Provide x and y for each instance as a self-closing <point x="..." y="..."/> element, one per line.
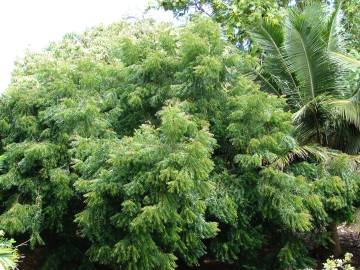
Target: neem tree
<point x="54" y="95"/>
<point x="151" y="142"/>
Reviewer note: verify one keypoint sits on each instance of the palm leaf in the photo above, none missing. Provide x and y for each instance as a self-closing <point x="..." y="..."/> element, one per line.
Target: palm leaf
<point x="305" y="61"/>
<point x="349" y="109"/>
<point x="334" y="37"/>
<point x="344" y="60"/>
<point x="271" y="37"/>
<point x="266" y="81"/>
<point x="301" y="152"/>
<point x="306" y="54"/>
<point x="7" y="258"/>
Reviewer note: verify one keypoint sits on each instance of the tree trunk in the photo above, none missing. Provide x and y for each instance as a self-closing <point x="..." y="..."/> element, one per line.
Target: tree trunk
<point x="336" y="247"/>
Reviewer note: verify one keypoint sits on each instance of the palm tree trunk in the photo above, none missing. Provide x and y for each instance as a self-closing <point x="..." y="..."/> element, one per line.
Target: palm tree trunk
<point x="336" y="247"/>
<point x="318" y="134"/>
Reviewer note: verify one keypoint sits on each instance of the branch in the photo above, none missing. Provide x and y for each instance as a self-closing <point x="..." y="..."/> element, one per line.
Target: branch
<point x="22" y="244"/>
<point x="200" y="8"/>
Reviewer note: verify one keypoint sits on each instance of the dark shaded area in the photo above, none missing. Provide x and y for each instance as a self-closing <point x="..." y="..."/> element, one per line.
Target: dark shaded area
<point x="211" y="265"/>
<point x="349" y="238"/>
<point x="350" y="242"/>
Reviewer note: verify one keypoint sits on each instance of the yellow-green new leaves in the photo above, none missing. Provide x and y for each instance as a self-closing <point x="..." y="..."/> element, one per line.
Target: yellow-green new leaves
<point x="151" y="186"/>
<point x="284" y="199"/>
<point x="148" y="207"/>
<point x="264" y="148"/>
<point x="102" y="85"/>
<point x="339" y="185"/>
<point x="55" y="96"/>
<point x="254" y="115"/>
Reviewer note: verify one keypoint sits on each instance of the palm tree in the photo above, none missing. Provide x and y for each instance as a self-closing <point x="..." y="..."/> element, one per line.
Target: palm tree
<point x="305" y="60"/>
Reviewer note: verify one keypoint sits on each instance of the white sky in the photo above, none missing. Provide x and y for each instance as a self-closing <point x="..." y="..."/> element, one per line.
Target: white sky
<point x="32" y="24"/>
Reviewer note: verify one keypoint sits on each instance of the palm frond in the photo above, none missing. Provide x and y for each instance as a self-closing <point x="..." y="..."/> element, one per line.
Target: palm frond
<point x="349" y="109"/>
<point x="318" y="152"/>
<point x="290" y="92"/>
<point x="8" y="258"/>
<point x="333" y="35"/>
<point x="305" y="61"/>
<point x="271" y="38"/>
<point x="268" y="84"/>
<point x="345" y="60"/>
<point x="301" y="152"/>
<point x="306" y="54"/>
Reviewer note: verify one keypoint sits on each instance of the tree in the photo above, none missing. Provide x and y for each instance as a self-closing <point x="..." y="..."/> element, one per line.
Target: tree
<point x="236" y="17"/>
<point x="261" y="184"/>
<point x="305" y="59"/>
<point x="54" y="95"/>
<point x="257" y="176"/>
<point x="102" y="84"/>
<point x="299" y="65"/>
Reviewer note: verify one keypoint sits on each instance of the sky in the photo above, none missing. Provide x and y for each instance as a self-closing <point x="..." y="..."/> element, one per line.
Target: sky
<point x="33" y="24"/>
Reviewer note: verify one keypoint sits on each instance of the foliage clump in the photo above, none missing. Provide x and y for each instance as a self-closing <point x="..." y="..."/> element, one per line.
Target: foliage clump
<point x="149" y="202"/>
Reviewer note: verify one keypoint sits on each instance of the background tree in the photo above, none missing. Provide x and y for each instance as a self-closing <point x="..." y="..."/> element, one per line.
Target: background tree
<point x="236" y="17"/>
<point x="352" y="11"/>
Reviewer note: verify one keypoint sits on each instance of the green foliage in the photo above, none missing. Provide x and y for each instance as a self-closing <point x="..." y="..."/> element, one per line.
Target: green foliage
<point x="149" y="204"/>
<point x="53" y="97"/>
<point x="305" y="60"/>
<point x="100" y="85"/>
<point x="339" y="187"/>
<point x="237" y="17"/>
<point x="143" y="146"/>
<point x="299" y="64"/>
<point x="352" y="20"/>
<point x="285" y="204"/>
<point x="8" y="253"/>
